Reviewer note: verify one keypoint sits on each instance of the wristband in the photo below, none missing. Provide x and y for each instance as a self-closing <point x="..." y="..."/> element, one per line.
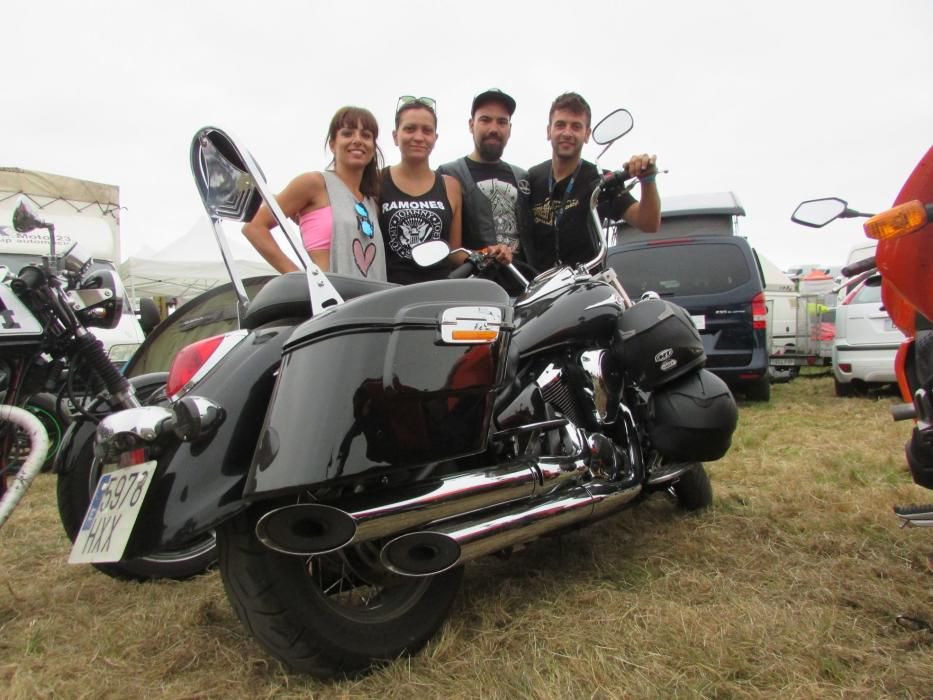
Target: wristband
<point x="647" y="179"/>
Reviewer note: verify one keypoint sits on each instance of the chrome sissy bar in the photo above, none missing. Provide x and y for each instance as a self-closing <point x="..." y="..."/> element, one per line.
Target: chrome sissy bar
<point x="232" y="187"/>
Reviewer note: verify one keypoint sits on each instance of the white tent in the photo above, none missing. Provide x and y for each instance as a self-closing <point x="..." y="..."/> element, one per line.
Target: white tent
<point x="775" y="280"/>
<point x="190" y="265"/>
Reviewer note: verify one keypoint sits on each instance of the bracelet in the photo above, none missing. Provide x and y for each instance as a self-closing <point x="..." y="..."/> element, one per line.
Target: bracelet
<point x="647" y="179"/>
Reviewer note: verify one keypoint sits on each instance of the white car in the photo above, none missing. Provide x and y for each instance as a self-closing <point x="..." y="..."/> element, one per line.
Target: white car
<point x="866" y="340"/>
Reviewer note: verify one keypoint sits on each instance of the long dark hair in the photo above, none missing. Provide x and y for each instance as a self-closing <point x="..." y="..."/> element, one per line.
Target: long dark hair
<point x="351" y="117"/>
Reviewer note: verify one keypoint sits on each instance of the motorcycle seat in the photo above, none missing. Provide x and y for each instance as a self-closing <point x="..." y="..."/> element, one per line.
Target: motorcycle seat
<point x="286" y="296"/>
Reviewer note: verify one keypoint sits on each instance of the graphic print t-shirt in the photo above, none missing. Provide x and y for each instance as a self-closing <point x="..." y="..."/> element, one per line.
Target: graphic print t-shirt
<point x="561" y="217"/>
<point x="407" y="221"/>
<point x="497" y="182"/>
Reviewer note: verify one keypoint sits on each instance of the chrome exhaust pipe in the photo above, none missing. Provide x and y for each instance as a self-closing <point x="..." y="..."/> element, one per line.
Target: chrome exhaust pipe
<point x="448" y="545"/>
<point x="312" y="528"/>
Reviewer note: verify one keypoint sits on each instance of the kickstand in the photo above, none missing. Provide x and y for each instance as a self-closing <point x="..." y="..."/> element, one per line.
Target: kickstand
<point x="914" y="624"/>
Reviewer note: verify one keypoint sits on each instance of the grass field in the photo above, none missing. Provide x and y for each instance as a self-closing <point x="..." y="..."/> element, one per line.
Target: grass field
<point x="789" y="586"/>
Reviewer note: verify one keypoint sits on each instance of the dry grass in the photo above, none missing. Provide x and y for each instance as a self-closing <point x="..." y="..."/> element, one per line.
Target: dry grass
<point x="788" y="587"/>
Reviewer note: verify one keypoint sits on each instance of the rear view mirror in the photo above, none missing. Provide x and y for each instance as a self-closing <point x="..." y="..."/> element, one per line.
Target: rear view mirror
<point x="816" y="213"/>
<point x="613" y="126"/>
<point x="25" y="219"/>
<point x="429" y="253"/>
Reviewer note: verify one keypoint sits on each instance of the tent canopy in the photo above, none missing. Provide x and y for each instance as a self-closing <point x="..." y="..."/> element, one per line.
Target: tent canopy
<point x="190" y="265"/>
<point x="775" y="280"/>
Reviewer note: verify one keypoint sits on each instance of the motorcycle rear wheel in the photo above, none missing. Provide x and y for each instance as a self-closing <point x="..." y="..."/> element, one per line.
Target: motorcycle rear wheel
<point x="337" y="614"/>
<point x="694" y="490"/>
<point x="74" y="490"/>
<point x="76" y="484"/>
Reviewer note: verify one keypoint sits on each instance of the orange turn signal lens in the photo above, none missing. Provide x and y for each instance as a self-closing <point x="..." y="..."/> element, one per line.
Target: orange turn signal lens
<point x="899" y="221"/>
<point x="476" y="336"/>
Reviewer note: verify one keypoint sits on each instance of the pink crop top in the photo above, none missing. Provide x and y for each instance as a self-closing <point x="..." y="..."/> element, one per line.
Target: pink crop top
<point x="317" y="228"/>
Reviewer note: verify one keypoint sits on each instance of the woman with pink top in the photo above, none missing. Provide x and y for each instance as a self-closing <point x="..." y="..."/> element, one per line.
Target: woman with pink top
<point x="336" y="208"/>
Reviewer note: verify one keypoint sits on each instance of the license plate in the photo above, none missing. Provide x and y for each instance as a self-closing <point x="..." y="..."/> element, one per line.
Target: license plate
<point x="114" y="508"/>
<point x="783" y="361"/>
<point x="699" y="322"/>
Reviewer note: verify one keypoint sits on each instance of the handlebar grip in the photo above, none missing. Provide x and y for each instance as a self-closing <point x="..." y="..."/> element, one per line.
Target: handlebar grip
<point x="616" y="176"/>
<point x="29" y="277"/>
<point x="463" y="271"/>
<point x="859" y="267"/>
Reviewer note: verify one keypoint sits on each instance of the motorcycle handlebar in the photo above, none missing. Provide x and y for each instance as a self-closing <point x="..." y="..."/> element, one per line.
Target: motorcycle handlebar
<point x="859" y="267"/>
<point x="616" y="176"/>
<point x="29" y="278"/>
<point x="464" y="270"/>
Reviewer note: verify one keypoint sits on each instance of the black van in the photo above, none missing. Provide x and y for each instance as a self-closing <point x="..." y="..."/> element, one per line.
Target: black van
<point x="718" y="280"/>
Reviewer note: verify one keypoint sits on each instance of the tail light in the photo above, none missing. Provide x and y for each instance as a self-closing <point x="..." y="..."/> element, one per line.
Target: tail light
<point x="759" y="311"/>
<point x="194" y="361"/>
<point x="898" y="221"/>
<point x="845" y="367"/>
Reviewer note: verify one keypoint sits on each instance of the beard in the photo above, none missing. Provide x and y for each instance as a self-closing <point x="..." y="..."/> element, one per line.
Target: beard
<point x="490" y="150"/>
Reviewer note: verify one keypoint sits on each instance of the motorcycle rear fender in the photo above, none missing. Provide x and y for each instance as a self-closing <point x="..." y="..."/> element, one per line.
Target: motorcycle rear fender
<point x="200" y="484"/>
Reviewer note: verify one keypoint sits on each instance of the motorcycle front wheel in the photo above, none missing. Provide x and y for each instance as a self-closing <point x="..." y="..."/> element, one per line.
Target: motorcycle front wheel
<point x="330" y="615"/>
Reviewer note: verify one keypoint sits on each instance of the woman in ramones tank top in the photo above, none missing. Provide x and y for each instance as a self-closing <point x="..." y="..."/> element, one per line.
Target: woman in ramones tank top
<point x="336" y="208"/>
<point x="416" y="204"/>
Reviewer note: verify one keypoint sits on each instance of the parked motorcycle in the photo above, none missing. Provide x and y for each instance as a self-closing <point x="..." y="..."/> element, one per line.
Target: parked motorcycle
<point x="903" y="256"/>
<point x="352" y="463"/>
<point x="46" y="312"/>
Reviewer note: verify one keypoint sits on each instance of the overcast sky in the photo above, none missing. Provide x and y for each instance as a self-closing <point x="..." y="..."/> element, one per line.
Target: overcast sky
<point x="778" y="102"/>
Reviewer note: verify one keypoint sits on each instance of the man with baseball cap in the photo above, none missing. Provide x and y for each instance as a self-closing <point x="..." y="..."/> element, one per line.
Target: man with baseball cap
<point x="495" y="194"/>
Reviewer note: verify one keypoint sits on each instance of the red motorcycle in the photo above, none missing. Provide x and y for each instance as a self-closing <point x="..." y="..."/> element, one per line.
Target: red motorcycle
<point x="903" y="257"/>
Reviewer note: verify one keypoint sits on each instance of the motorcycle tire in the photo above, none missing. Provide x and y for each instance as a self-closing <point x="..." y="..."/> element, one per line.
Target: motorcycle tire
<point x="338" y="614"/>
<point x="694" y="490"/>
<point x="45" y="408"/>
<point x="74" y="490"/>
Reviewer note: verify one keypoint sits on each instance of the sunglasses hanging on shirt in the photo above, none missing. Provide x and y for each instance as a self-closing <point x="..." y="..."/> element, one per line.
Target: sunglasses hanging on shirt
<point x="362" y="220"/>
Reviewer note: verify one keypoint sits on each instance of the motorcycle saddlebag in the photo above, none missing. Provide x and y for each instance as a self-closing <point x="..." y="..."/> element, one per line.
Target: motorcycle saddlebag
<point x="373" y="385"/>
<point x="657" y="342"/>
<point x="692" y="419"/>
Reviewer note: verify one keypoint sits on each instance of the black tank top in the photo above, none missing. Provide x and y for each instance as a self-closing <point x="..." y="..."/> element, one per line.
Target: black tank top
<point x="406" y="221"/>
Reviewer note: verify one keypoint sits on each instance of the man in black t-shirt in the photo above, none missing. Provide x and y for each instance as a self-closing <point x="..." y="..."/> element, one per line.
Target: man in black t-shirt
<point x="561" y="189"/>
<point x="495" y="194"/>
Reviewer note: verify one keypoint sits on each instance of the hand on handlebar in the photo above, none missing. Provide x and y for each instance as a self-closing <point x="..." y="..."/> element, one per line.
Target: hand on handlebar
<point x="500" y="252"/>
<point x="642" y="166"/>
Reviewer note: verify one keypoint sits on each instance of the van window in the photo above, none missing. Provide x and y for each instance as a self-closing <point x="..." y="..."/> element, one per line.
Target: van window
<point x="868" y="294"/>
<point x="682" y="270"/>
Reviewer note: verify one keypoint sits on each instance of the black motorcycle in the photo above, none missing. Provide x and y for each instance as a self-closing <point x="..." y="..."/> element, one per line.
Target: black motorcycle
<point x="352" y="462"/>
<point x="47" y="311"/>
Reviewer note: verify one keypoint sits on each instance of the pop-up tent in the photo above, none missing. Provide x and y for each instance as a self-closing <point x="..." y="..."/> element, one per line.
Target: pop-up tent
<point x="190" y="265"/>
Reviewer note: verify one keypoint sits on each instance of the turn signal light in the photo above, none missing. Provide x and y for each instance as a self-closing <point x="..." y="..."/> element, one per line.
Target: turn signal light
<point x="899" y="221"/>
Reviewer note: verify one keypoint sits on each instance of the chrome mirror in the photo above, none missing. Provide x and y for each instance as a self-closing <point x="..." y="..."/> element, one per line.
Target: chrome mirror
<point x="429" y="253"/>
<point x="613" y="126"/>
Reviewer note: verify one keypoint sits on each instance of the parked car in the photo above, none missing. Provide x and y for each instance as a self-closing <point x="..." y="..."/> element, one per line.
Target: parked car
<point x="719" y="281"/>
<point x="866" y="340"/>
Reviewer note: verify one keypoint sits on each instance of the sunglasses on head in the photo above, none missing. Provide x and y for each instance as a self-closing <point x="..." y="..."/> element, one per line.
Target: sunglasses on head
<point x="362" y="220"/>
<point x="428" y="102"/>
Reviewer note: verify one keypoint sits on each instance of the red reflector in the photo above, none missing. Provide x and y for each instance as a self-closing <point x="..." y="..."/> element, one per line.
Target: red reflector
<point x="133" y="457"/>
<point x="750" y="375"/>
<point x="187" y="363"/>
<point x="845" y="367"/>
<point x="759" y="311"/>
